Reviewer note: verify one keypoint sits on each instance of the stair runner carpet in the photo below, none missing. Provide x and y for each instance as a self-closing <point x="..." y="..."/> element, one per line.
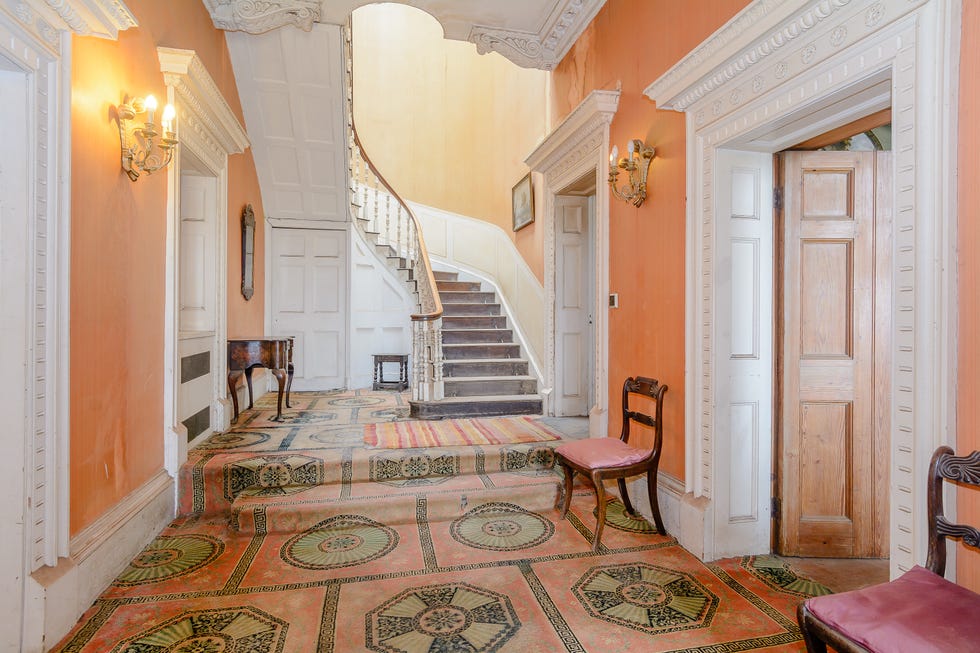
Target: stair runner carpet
<point x="295" y="538"/>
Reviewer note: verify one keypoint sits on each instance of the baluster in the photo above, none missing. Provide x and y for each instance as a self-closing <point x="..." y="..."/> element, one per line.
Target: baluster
<point x="375" y="222"/>
<point x="387" y="218"/>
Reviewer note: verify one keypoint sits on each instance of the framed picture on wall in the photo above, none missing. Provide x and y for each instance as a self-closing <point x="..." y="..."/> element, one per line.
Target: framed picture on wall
<point x="523" y="203"/>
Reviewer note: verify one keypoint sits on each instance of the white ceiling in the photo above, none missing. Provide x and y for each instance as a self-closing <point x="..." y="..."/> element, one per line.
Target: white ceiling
<point x="531" y="33"/>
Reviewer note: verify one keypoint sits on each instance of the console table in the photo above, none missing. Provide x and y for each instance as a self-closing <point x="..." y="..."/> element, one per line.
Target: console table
<point x="245" y="354"/>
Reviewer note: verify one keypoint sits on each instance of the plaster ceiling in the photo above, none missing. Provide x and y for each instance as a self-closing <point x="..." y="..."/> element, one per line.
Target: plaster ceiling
<point x="531" y="33"/>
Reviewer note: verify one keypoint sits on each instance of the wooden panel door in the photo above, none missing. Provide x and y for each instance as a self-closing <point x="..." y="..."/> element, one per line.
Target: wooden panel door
<point x="831" y="450"/>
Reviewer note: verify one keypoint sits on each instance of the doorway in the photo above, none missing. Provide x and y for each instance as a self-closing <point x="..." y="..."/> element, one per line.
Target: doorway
<point x="834" y="317"/>
<point x="574" y="298"/>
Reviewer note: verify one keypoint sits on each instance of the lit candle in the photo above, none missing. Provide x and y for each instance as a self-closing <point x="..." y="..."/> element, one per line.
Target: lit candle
<point x="613" y="156"/>
<point x="632" y="147"/>
<point x="151" y="106"/>
<point x="169" y="113"/>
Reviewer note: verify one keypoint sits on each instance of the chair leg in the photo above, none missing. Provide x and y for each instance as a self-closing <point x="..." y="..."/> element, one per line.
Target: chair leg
<point x="813" y="644"/>
<point x="600" y="497"/>
<point x="626" y="498"/>
<point x="654" y="502"/>
<point x="567" y="499"/>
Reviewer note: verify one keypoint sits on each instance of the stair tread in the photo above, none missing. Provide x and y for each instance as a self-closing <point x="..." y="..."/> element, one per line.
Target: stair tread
<point x="478" y="379"/>
<point x="484" y="360"/>
<point x="482" y="399"/>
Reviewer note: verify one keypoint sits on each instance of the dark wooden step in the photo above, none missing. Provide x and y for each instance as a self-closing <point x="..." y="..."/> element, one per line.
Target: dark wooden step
<point x="450" y="286"/>
<point x="467" y="297"/>
<point x="477" y="386"/>
<point x="464" y="336"/>
<point x="439" y="275"/>
<point x="470" y="309"/>
<point x="481" y="350"/>
<point x="474" y="322"/>
<point x="485" y="367"/>
<point x="476" y="406"/>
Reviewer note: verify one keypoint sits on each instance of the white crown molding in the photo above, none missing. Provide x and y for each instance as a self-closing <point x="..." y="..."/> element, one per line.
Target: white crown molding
<point x="102" y="18"/>
<point x="545" y="48"/>
<point x="783" y="24"/>
<point x="202" y="110"/>
<point x="597" y="109"/>
<point x="259" y="17"/>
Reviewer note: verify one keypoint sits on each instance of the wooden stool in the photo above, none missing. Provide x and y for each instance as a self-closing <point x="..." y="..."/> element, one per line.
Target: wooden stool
<point x="379" y="372"/>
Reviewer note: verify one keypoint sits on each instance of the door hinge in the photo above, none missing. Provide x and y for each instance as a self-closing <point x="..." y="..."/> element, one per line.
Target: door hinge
<point x="775" y="508"/>
<point x="777" y="198"/>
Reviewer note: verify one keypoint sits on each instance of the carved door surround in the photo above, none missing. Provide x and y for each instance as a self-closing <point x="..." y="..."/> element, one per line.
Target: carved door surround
<point x="575" y="148"/>
<point x="777" y="73"/>
<point x="209" y="132"/>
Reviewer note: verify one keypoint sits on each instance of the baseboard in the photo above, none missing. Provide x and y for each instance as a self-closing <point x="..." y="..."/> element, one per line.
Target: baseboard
<point x="98" y="554"/>
<point x="685" y="517"/>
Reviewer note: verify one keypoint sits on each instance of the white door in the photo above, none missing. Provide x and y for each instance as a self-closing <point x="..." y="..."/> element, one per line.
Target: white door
<point x="573" y="313"/>
<point x="309" y="302"/>
<point x="744" y="310"/>
<point x="196" y="349"/>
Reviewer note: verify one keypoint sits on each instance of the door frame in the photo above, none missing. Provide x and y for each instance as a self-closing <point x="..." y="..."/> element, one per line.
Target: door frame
<point x="210" y="132"/>
<point x="577" y="147"/>
<point x="793" y="70"/>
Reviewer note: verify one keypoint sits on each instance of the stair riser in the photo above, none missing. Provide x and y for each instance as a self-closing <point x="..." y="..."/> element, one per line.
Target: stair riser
<point x="468" y="297"/>
<point x="457" y="286"/>
<point x="475" y="408"/>
<point x="469" y="336"/>
<point x="540" y="497"/>
<point x="462" y="388"/>
<point x="470" y="309"/>
<point x="462" y="352"/>
<point x="445" y="276"/>
<point x="474" y="322"/>
<point x="456" y="369"/>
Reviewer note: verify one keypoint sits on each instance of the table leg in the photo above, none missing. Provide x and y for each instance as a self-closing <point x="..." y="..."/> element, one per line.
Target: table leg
<point x="289" y="382"/>
<point x="281" y="378"/>
<point x="248" y="380"/>
<point x="232" y="390"/>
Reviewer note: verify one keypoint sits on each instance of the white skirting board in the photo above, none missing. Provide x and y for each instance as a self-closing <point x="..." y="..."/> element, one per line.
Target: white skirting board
<point x="59" y="595"/>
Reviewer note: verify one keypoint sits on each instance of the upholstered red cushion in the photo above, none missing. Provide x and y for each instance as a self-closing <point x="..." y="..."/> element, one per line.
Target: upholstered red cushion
<point x="919" y="612"/>
<point x="593" y="453"/>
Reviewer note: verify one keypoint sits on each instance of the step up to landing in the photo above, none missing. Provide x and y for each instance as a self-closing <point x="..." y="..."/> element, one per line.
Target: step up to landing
<point x="292" y="491"/>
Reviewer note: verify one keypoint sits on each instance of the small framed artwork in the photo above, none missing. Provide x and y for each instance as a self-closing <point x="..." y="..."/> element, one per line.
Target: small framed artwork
<point x="523" y="203"/>
<point x="248" y="252"/>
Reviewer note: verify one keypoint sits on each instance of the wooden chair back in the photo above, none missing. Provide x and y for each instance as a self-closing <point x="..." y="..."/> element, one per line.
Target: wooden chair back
<point x="957" y="469"/>
<point x="651" y="388"/>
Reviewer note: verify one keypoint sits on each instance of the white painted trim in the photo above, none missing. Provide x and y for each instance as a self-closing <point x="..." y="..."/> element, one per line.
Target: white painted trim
<point x="819" y="51"/>
<point x="99" y="553"/>
<point x="576" y="146"/>
<point x="46" y="20"/>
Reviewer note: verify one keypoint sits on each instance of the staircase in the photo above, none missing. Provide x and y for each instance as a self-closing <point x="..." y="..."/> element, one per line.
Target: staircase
<point x="483" y="371"/>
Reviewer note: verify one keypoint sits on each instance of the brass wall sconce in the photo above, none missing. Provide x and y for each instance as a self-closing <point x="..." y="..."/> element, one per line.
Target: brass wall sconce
<point x="141" y="151"/>
<point x="637" y="164"/>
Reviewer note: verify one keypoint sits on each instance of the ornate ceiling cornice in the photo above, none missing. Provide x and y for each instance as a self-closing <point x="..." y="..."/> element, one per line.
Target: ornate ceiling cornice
<point x="258" y="16"/>
<point x="545" y="48"/>
<point x="542" y="49"/>
<point x="48" y="18"/>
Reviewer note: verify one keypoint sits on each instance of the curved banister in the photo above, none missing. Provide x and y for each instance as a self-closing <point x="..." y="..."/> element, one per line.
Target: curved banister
<point x="367" y="182"/>
<point x="423" y="252"/>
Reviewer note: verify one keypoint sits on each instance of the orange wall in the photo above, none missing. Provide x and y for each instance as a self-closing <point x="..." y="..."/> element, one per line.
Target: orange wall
<point x="447" y="127"/>
<point x="118" y="247"/>
<point x="968" y="413"/>
<point x="646" y="334"/>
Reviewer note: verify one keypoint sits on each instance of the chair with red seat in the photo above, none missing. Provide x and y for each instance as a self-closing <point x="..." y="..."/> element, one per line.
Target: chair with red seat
<point x="608" y="458"/>
<point x="919" y="612"/>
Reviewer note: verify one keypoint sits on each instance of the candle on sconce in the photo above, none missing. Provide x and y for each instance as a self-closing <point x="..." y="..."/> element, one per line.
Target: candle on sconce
<point x="151" y="107"/>
<point x="169" y="115"/>
<point x="613" y="156"/>
<point x="632" y="147"/>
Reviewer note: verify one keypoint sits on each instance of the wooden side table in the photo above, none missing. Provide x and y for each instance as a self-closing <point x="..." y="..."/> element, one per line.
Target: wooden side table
<point x="379" y="372"/>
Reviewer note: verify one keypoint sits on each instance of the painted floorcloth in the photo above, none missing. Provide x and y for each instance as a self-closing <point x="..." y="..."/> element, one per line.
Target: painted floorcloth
<point x="293" y="537"/>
